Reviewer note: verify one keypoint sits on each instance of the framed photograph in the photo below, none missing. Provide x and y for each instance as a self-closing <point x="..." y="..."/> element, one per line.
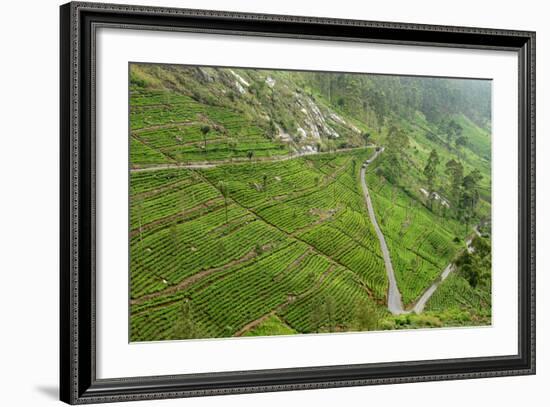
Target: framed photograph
<point x="255" y="203"/>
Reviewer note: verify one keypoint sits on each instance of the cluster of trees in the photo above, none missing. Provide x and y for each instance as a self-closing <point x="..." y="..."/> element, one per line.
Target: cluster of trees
<point x="395" y="153"/>
<point x="324" y="316"/>
<point x="187" y="326"/>
<point x="453" y="133"/>
<point x="463" y="189"/>
<point x="374" y="98"/>
<point x="475" y="265"/>
<point x="430" y="172"/>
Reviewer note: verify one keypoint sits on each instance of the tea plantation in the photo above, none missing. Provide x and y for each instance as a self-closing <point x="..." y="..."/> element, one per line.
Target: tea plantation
<point x="247" y="216"/>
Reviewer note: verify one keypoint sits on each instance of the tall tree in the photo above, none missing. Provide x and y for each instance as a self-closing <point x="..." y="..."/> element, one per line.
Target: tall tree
<point x="380" y="107"/>
<point x="455" y="173"/>
<point x="205" y="130"/>
<point x="430" y="171"/>
<point x="470" y="192"/>
<point x="397" y="143"/>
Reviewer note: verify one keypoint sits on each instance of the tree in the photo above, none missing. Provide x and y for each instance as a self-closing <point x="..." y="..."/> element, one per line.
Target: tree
<point x="475" y="266"/>
<point x="380" y="107"/>
<point x="224" y="189"/>
<point x="366" y="317"/>
<point x="460" y="142"/>
<point x="470" y="192"/>
<point x="397" y="143"/>
<point x="366" y="137"/>
<point x="455" y="172"/>
<point x="430" y="171"/>
<point x="205" y="130"/>
<point x="186" y="327"/>
<point x="272" y="129"/>
<point x="453" y="131"/>
<point x="323" y="315"/>
<point x="250" y="154"/>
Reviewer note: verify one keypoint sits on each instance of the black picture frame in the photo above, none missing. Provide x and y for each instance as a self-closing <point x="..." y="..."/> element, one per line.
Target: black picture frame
<point x="78" y="382"/>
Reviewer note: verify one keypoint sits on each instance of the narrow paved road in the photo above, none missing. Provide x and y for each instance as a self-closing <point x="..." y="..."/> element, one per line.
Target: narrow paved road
<point x="395" y="305"/>
<point x="222" y="162"/>
<point x="421" y="303"/>
<point x="241" y="160"/>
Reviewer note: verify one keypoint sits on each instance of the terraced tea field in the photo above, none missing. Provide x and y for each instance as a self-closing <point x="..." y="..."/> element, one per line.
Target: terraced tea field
<point x="283" y="245"/>
<point x="419" y="251"/>
<point x="238" y="228"/>
<point x="169" y="128"/>
<point x="290" y="234"/>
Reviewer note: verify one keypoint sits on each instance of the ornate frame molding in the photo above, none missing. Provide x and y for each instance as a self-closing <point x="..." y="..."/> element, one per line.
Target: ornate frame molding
<point x="77" y="176"/>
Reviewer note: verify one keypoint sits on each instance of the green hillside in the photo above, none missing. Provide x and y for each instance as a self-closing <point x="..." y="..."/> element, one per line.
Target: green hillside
<point x="247" y="213"/>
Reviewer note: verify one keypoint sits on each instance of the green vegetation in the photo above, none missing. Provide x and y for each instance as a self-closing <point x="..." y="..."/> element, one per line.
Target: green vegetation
<point x="247" y="214"/>
<point x="272" y="326"/>
<point x="467" y="292"/>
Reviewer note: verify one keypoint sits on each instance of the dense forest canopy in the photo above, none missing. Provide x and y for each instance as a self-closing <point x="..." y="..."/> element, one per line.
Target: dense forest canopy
<point x="387" y="95"/>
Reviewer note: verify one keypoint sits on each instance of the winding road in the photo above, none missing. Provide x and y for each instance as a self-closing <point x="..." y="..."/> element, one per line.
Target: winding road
<point x="421" y="302"/>
<point x="394" y="301"/>
<point x="395" y="304"/>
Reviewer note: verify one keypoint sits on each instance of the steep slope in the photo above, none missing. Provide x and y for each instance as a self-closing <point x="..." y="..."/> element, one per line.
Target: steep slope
<point x="247" y="213"/>
<point x="193" y="114"/>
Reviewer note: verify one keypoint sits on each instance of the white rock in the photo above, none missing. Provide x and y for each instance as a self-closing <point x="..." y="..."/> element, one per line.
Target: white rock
<point x="270" y="81"/>
<point x="239" y="88"/>
<point x="337" y="118"/>
<point x="239" y="78"/>
<point x="283" y="135"/>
